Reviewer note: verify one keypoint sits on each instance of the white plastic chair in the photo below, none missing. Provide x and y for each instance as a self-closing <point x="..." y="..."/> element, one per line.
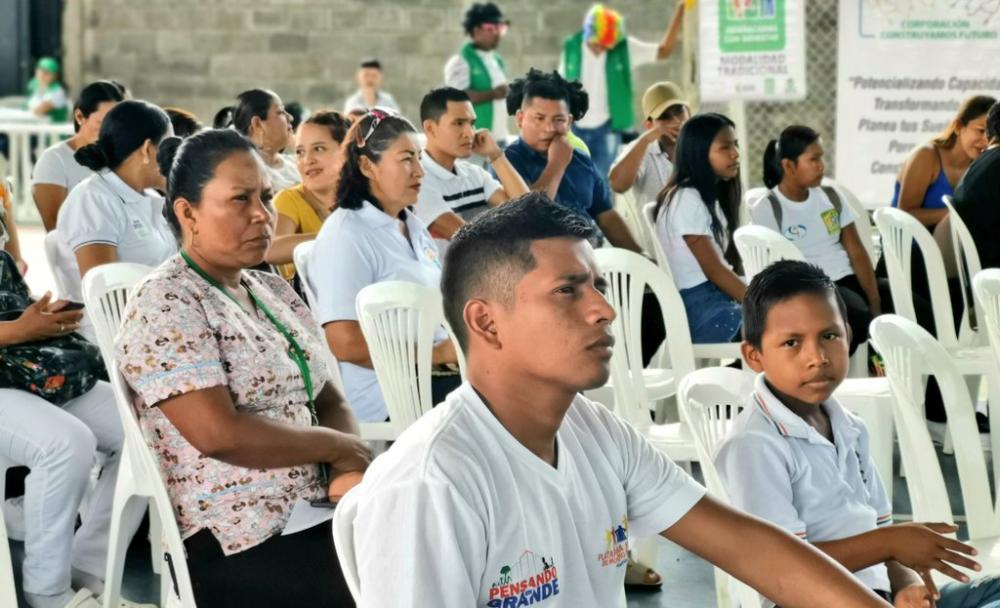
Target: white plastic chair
<point x="711" y="352"/>
<point x="106" y="290"/>
<point x="910" y="352"/>
<point x="967" y="261"/>
<point x="343" y="540"/>
<point x="986" y="286"/>
<point x="635" y="388"/>
<point x="751" y="195"/>
<point x="398" y="320"/>
<point x="710" y="399"/>
<point x="631" y="211"/>
<point x="8" y="593"/>
<point x="760" y="247"/>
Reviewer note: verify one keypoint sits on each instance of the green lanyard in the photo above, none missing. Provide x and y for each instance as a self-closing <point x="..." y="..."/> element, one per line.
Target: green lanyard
<point x="294" y="349"/>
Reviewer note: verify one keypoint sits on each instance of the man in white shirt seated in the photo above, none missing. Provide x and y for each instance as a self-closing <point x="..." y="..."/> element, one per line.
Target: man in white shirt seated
<point x="519" y="491"/>
<point x="647" y="162"/>
<point x="454" y="191"/>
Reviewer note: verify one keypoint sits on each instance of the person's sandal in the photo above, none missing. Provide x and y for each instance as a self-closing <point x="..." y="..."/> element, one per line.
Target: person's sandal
<point x="641" y="576"/>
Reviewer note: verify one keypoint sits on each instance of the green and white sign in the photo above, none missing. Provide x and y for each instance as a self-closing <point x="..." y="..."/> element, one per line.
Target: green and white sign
<point x="752" y="50"/>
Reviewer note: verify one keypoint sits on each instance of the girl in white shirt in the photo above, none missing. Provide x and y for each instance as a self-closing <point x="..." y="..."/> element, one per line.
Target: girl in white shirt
<point x="57" y="172"/>
<point x="260" y="115"/>
<point x="819" y="221"/>
<point x="116" y="215"/>
<point x="695" y="219"/>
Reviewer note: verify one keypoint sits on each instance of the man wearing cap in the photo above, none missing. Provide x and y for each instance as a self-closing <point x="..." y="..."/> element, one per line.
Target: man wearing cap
<point x="46" y="97"/>
<point x="601" y="56"/>
<point x="647" y="162"/>
<point x="480" y="71"/>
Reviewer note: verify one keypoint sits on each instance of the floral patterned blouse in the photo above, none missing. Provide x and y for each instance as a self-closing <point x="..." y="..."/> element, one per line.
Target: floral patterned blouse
<point x="180" y="335"/>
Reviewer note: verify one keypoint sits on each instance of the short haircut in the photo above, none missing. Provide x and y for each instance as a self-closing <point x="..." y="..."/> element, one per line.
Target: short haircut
<point x="371" y="63"/>
<point x="480" y="13"/>
<point x="547" y="85"/>
<point x="993" y="122"/>
<point x="434" y="105"/>
<point x="778" y="282"/>
<point x="488" y="256"/>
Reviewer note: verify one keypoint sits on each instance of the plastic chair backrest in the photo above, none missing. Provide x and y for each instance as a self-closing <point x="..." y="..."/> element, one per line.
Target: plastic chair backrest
<point x="986" y="286"/>
<point x="398" y="320"/>
<point x="910" y="353"/>
<point x="967" y="261"/>
<point x="760" y="247"/>
<point x="899" y="231"/>
<point x="628" y="274"/>
<point x="300" y="257"/>
<point x="649" y="221"/>
<point x="751" y="195"/>
<point x="65" y="270"/>
<point x="8" y="593"/>
<point x="633" y="208"/>
<point x="862" y="220"/>
<point x="106" y="290"/>
<point x="343" y="539"/>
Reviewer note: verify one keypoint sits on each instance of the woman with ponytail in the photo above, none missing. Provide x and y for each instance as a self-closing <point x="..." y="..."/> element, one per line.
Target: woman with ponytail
<point x="232" y="391"/>
<point x="695" y="218"/>
<point x="374" y="237"/>
<point x="260" y="115"/>
<point x="819" y="221"/>
<point x="116" y="215"/>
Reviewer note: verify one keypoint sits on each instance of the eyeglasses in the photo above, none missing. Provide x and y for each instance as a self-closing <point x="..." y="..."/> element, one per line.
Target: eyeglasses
<point x="379" y="115"/>
<point x="500" y="28"/>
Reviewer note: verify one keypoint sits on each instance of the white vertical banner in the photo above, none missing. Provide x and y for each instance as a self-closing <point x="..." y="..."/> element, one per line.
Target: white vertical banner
<point x="752" y="50"/>
<point x="904" y="67"/>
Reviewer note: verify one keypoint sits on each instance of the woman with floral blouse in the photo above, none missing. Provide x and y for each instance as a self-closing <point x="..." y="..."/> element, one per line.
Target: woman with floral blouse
<point x="232" y="392"/>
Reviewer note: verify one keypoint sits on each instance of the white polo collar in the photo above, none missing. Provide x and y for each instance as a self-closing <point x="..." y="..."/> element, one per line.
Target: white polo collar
<point x="110" y="180"/>
<point x="789" y="424"/>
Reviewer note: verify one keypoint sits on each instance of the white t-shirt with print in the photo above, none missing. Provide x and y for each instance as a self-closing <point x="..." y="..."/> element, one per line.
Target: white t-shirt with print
<point x="466" y="190"/>
<point x="467" y="516"/>
<point x="686" y="214"/>
<point x="56" y="166"/>
<point x="595" y="79"/>
<point x="814" y="227"/>
<point x="456" y="74"/>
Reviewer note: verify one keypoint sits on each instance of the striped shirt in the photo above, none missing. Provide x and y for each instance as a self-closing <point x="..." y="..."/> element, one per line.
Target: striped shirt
<point x="466" y="190"/>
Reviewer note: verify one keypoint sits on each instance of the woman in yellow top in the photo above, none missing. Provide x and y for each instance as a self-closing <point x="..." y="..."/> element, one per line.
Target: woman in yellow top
<point x="302" y="208"/>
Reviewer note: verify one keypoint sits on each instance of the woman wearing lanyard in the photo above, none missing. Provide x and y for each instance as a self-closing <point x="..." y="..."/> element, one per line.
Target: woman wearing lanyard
<point x="116" y="215"/>
<point x="370" y="238"/>
<point x="232" y="391"/>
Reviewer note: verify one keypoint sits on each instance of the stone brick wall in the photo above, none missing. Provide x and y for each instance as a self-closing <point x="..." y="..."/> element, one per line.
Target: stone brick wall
<point x="199" y="54"/>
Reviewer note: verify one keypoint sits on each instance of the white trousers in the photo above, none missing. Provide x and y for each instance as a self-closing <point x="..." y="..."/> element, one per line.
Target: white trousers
<point x="59" y="445"/>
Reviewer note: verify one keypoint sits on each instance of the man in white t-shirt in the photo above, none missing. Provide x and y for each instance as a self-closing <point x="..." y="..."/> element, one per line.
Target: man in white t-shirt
<point x="479" y="70"/>
<point x="647" y="162"/>
<point x="370" y="93"/>
<point x="518" y="490"/>
<point x="454" y="191"/>
<point x="601" y="56"/>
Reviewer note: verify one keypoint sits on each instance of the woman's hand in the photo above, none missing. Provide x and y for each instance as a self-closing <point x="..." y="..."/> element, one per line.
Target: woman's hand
<point x="45" y="319"/>
<point x="351" y="454"/>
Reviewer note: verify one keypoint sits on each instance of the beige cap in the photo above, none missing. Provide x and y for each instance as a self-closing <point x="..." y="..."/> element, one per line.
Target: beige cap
<point x="660" y="96"/>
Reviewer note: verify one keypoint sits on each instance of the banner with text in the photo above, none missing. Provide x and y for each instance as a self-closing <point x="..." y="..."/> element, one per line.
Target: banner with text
<point x="752" y="50"/>
<point x="904" y="68"/>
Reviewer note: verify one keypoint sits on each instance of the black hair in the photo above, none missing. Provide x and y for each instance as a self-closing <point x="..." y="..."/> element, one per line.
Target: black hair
<point x="547" y="85"/>
<point x="254" y="103"/>
<point x="692" y="169"/>
<point x="480" y="13"/>
<point x="94" y="94"/>
<point x="353" y="189"/>
<point x="189" y="164"/>
<point x="434" y="105"/>
<point x="125" y="128"/>
<point x="778" y="282"/>
<point x="489" y="255"/>
<point x="790" y="145"/>
<point x="371" y="63"/>
<point x="335" y="122"/>
<point x="296" y="110"/>
<point x="185" y="123"/>
<point x="223" y="118"/>
<point x="993" y="122"/>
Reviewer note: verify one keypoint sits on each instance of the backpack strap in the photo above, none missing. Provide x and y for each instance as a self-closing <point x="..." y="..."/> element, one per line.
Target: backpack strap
<point x="834" y="196"/>
<point x="775" y="208"/>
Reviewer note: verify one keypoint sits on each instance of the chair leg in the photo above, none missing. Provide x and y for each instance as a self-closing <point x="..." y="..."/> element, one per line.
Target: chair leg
<point x="156" y="540"/>
<point x="126" y="506"/>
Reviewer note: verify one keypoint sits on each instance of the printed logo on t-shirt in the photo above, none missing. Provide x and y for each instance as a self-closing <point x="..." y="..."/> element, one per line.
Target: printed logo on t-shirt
<point x="616" y="553"/>
<point x="432" y="256"/>
<point x="530" y="580"/>
<point x="140" y="228"/>
<point x="796" y="232"/>
<point x="831" y="219"/>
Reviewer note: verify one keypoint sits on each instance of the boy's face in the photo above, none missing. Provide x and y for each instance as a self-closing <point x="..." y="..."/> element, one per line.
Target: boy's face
<point x="804" y="349"/>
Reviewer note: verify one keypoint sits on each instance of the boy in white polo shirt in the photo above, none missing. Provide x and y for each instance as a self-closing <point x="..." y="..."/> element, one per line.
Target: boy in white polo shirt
<point x="796" y="458"/>
<point x="518" y="491"/>
<point x="454" y="191"/>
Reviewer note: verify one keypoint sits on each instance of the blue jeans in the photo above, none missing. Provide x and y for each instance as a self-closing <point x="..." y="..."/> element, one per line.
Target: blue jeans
<point x="603" y="144"/>
<point x="980" y="593"/>
<point x="712" y="315"/>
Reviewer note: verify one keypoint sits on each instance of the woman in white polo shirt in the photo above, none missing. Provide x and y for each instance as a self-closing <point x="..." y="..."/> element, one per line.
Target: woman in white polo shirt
<point x="373" y="237"/>
<point x="116" y="215"/>
<point x="56" y="171"/>
<point x="819" y="221"/>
